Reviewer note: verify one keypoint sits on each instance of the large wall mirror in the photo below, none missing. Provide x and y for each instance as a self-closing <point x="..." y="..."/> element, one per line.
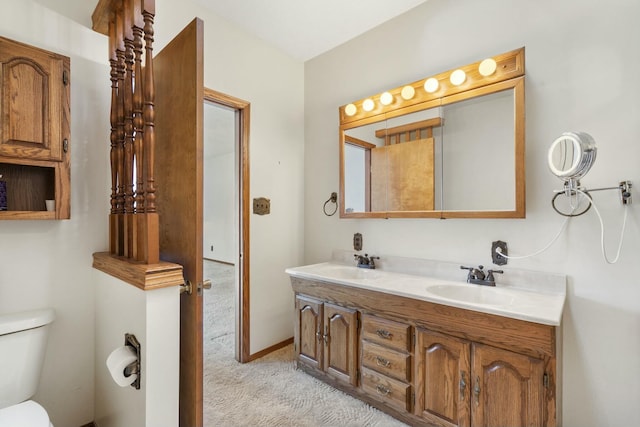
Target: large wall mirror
<point x="449" y="146"/>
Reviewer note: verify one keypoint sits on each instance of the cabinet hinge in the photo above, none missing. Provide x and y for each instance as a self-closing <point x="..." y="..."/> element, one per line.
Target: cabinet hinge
<point x="65" y="77"/>
<point x="545" y="380"/>
<point x="358" y="324"/>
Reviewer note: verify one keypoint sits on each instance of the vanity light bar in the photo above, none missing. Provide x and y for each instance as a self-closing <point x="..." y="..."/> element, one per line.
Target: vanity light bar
<point x="492" y="70"/>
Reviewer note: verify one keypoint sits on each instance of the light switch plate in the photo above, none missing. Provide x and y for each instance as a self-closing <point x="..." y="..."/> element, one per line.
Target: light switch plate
<point x="261" y="206"/>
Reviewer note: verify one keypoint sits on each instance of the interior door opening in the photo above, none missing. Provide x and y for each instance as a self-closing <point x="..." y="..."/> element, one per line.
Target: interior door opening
<point x="226" y="225"/>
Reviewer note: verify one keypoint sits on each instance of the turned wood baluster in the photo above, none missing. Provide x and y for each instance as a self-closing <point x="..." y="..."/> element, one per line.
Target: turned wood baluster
<point x="128" y="116"/>
<point x="138" y="120"/>
<point x="149" y="113"/>
<point x="118" y="222"/>
<point x="113" y="155"/>
<point x="120" y="119"/>
<point x="113" y="60"/>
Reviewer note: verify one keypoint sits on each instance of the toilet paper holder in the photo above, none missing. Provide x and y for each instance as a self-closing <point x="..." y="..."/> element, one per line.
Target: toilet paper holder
<point x="134" y="367"/>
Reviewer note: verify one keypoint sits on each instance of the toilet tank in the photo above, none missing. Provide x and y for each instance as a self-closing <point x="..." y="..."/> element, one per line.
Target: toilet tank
<point x="23" y="341"/>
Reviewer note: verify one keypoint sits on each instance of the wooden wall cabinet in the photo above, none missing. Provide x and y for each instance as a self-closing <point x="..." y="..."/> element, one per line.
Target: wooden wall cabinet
<point x="326" y="337"/>
<point x="34" y="131"/>
<point x="425" y="363"/>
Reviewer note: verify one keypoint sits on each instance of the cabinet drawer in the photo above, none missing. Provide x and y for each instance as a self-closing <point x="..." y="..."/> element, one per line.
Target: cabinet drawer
<point x="393" y="363"/>
<point x="387" y="390"/>
<point x="386" y="332"/>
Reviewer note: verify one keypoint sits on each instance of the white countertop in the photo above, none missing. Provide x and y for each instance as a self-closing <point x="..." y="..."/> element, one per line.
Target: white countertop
<point x="543" y="305"/>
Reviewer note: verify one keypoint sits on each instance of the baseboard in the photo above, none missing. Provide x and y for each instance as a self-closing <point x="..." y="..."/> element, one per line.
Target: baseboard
<point x="271" y="349"/>
<point x="218" y="261"/>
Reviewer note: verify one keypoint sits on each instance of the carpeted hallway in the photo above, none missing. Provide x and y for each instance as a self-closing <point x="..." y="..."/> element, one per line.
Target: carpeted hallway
<point x="268" y="391"/>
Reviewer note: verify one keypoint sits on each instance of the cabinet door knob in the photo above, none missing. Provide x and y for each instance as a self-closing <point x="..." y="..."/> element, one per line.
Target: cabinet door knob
<point x="476" y="391"/>
<point x="463" y="385"/>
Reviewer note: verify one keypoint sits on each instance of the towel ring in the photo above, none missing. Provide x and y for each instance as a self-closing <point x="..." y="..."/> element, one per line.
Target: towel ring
<point x="333" y="199"/>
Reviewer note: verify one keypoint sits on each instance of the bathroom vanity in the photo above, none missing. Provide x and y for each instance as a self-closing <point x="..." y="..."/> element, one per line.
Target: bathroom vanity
<point x="433" y="351"/>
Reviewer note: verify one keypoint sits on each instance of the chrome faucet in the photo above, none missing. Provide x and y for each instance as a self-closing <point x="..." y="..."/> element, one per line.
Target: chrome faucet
<point x="477" y="276"/>
<point x="366" y="261"/>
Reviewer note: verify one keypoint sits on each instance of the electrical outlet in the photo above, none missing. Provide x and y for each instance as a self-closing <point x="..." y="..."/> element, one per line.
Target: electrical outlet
<point x="357" y="242"/>
<point x="495" y="256"/>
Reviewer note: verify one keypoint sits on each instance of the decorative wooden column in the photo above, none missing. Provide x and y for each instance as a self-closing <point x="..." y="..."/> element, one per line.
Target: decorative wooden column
<point x="133" y="220"/>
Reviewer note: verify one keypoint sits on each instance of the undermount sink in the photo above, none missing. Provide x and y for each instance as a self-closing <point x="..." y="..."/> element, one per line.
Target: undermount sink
<point x="473" y="294"/>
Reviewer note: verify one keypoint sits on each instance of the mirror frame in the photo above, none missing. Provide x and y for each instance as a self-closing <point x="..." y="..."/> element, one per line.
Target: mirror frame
<point x="508" y="75"/>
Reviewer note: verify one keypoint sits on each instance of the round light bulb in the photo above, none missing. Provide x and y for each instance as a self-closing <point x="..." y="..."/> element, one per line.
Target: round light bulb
<point x="368" y="104"/>
<point x="407" y="92"/>
<point x="457" y="77"/>
<point x="350" y="110"/>
<point x="386" y="98"/>
<point x="431" y="85"/>
<point x="487" y="67"/>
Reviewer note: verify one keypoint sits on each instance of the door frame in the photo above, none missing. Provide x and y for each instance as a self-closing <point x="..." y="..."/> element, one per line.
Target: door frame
<point x="243" y="108"/>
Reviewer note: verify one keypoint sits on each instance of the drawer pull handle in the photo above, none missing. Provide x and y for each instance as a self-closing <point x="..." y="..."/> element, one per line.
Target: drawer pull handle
<point x="380" y="361"/>
<point x="382" y="390"/>
<point x="384" y="334"/>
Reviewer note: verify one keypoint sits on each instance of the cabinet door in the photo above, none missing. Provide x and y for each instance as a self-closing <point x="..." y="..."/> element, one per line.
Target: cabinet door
<point x="340" y="330"/>
<point x="308" y="331"/>
<point x="33" y="102"/>
<point x="507" y="388"/>
<point x="442" y="379"/>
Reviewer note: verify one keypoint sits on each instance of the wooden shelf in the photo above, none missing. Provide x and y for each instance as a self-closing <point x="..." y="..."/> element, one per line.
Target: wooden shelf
<point x="27" y="215"/>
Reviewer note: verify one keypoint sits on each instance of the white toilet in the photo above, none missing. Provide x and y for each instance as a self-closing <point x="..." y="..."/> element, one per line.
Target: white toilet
<point x="23" y="342"/>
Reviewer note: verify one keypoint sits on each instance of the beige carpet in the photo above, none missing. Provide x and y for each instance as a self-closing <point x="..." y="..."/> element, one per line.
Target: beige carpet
<point x="269" y="391"/>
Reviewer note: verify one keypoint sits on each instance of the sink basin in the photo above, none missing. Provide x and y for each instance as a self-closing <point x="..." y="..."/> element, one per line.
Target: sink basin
<point x="473" y="294"/>
<point x="346" y="272"/>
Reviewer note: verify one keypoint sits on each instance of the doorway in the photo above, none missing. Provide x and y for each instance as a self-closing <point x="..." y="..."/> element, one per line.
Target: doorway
<point x="226" y="214"/>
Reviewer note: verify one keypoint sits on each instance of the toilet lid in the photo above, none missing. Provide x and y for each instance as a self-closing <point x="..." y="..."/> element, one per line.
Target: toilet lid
<point x="25" y="414"/>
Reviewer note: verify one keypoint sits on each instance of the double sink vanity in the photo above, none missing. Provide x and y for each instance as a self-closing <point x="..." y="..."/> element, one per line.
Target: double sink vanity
<point x="428" y="348"/>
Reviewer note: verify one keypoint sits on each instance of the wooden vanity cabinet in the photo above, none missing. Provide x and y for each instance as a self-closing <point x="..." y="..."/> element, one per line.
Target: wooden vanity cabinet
<point x="326" y="338"/>
<point x="428" y="364"/>
<point x="34" y="131"/>
<point x="461" y="383"/>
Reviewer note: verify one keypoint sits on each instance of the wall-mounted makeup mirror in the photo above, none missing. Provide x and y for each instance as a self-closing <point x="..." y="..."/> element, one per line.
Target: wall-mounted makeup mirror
<point x="439" y="147"/>
<point x="571" y="155"/>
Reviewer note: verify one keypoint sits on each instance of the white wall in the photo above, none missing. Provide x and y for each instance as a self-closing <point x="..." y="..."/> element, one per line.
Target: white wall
<point x="220" y="240"/>
<point x="154" y="318"/>
<point x="48" y="263"/>
<point x="582" y="67"/>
